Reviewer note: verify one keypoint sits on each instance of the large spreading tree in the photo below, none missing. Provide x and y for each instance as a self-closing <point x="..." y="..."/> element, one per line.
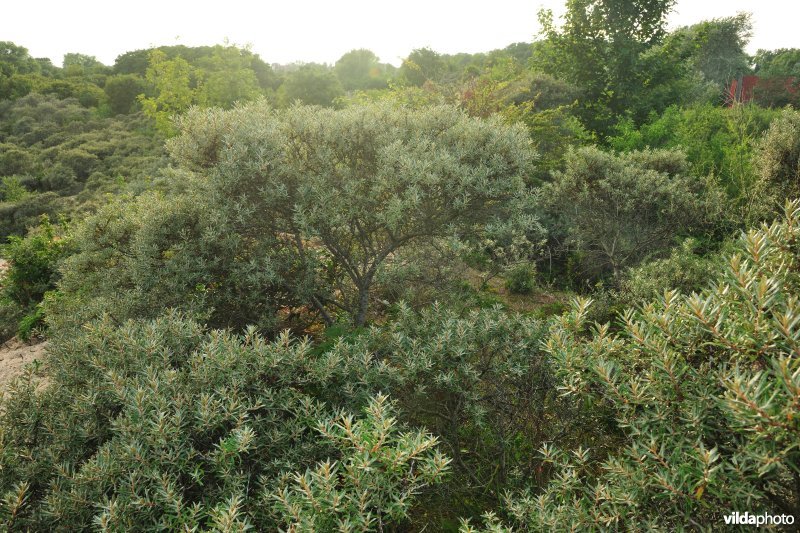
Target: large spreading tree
<point x="345" y="190"/>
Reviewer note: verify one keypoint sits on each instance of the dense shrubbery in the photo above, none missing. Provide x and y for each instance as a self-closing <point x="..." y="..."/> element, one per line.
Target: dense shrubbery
<point x="703" y="392"/>
<point x="778" y="158"/>
<point x="163" y="423"/>
<point x="136" y="259"/>
<point x="64" y="157"/>
<point x="691" y="408"/>
<point x="299" y="323"/>
<point x="299" y="210"/>
<point x="612" y="211"/>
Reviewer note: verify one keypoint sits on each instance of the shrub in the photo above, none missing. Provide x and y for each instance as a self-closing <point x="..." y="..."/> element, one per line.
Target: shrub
<point x="701" y="393"/>
<point x="163" y="425"/>
<point x="29" y="323"/>
<point x="10" y="315"/>
<point x="33" y="263"/>
<point x="135" y="259"/>
<point x="686" y="269"/>
<point x="481" y="383"/>
<point x="33" y="270"/>
<point x="122" y="90"/>
<point x="521" y="279"/>
<point x="778" y="157"/>
<point x="614" y="211"/>
<point x="12" y="189"/>
<point x="375" y="483"/>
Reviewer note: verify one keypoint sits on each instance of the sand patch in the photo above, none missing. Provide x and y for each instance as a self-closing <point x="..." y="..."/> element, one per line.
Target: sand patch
<point x="15" y="355"/>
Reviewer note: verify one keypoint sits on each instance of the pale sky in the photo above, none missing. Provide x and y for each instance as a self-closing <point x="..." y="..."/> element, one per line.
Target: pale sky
<point x="321" y="31"/>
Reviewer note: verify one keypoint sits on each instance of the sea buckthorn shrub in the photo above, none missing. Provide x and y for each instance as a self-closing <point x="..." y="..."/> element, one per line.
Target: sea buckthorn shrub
<point x="702" y="391"/>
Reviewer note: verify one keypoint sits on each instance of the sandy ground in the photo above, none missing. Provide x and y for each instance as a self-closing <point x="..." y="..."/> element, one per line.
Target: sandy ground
<point x="14" y="355"/>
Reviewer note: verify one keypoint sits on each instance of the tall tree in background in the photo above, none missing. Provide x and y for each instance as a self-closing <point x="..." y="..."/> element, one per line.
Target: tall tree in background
<point x="421" y="65"/>
<point x="361" y="69"/>
<point x="170" y="82"/>
<point x="14" y="60"/>
<point x="715" y="48"/>
<point x="311" y="85"/>
<point x="598" y="48"/>
<point x="227" y="77"/>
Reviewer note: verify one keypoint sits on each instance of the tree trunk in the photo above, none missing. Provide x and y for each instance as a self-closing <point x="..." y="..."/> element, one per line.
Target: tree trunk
<point x="363" y="304"/>
<point x="322" y="311"/>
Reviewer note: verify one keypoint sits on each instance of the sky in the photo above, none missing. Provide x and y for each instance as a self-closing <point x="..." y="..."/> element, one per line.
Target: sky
<point x="321" y="31"/>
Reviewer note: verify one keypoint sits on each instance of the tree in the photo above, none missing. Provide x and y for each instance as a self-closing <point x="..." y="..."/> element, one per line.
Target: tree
<point x="311" y="85"/>
<point x="78" y="65"/>
<point x="781" y="62"/>
<point x="227" y="77"/>
<point x="421" y="65"/>
<point x="598" y="48"/>
<point x="14" y="60"/>
<point x="345" y="190"/>
<point x="122" y="91"/>
<point x="170" y="89"/>
<point x="360" y="69"/>
<point x="715" y="48"/>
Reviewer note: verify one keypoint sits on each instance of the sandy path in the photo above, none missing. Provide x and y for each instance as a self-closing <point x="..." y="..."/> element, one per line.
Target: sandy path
<point x="14" y="355"/>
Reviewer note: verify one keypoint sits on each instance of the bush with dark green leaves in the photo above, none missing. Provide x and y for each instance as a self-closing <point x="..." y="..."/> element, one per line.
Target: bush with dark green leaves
<point x="32" y="271"/>
<point x="718" y="141"/>
<point x="482" y="384"/>
<point x="521" y="279"/>
<point x="778" y="158"/>
<point x="611" y="212"/>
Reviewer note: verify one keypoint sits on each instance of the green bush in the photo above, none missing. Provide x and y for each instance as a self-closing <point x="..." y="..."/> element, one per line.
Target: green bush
<point x="34" y="263"/>
<point x="29" y="323"/>
<point x="610" y="212"/>
<point x="58" y="146"/>
<point x="376" y="482"/>
<point x="32" y="271"/>
<point x="10" y="315"/>
<point x="699" y="393"/>
<point x="686" y="269"/>
<point x="521" y="279"/>
<point x="481" y="384"/>
<point x="135" y="259"/>
<point x="12" y="189"/>
<point x="164" y="424"/>
<point x="778" y="158"/>
<point x="718" y="141"/>
<point x="302" y="211"/>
